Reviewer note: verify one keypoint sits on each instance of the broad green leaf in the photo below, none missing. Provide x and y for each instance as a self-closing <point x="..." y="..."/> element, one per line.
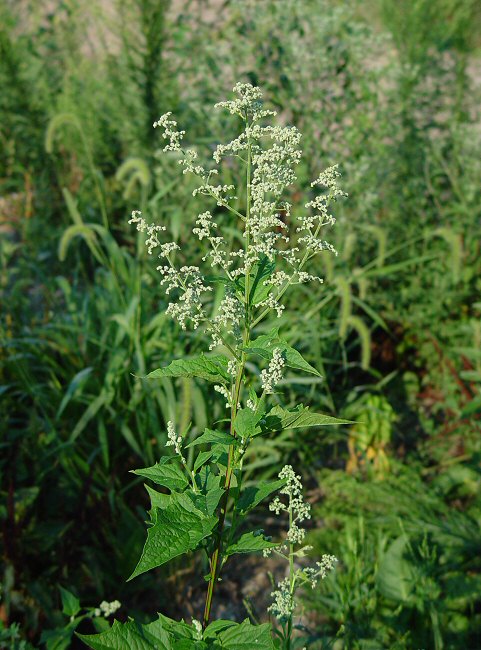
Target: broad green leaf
<point x="208" y="502"/>
<point x="158" y="499"/>
<point x="167" y="472"/>
<point x="179" y="528"/>
<point x="265" y="344"/>
<point x="396" y="576"/>
<point x="130" y="636"/>
<point x="298" y="418"/>
<point x="254" y="494"/>
<point x="246" y="422"/>
<point x="249" y="543"/>
<point x="213" y="368"/>
<point x="202" y="458"/>
<point x="213" y="629"/>
<point x="263" y="271"/>
<point x="70" y="603"/>
<point x="206" y="480"/>
<point x="213" y="437"/>
<point x="247" y="637"/>
<point x="166" y="634"/>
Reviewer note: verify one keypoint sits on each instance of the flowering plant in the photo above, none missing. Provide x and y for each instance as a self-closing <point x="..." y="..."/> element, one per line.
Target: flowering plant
<point x="206" y="505"/>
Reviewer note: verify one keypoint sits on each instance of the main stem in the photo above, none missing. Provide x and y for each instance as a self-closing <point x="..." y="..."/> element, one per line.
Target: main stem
<point x="291" y="581"/>
<point x="214" y="561"/>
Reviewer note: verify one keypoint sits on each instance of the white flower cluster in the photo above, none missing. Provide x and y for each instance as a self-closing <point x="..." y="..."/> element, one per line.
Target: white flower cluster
<point x="170" y="132"/>
<point x="228" y="317"/>
<point x="296" y="506"/>
<point x="311" y="224"/>
<point x="283" y="605"/>
<point x="142" y="226"/>
<point x="270" y="155"/>
<point x="247" y="104"/>
<point x="189" y="281"/>
<point x="273" y="374"/>
<point x="107" y="609"/>
<point x="174" y="440"/>
<point x="321" y="570"/>
<point x="219" y="388"/>
<point x="272" y="303"/>
<point x="284" y="596"/>
<point x="197" y="625"/>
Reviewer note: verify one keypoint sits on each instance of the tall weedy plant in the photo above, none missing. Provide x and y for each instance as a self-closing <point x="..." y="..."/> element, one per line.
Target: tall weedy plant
<point x="207" y="505"/>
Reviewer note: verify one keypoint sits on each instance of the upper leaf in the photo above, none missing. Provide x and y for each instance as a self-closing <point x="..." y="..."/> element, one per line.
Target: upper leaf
<point x="212" y="436"/>
<point x="249" y="543"/>
<point x="246" y="422"/>
<point x="254" y="494"/>
<point x="263" y="271"/>
<point x="212" y="368"/>
<point x="300" y="417"/>
<point x="70" y="603"/>
<point x="265" y="344"/>
<point x="178" y="528"/>
<point x="167" y="472"/>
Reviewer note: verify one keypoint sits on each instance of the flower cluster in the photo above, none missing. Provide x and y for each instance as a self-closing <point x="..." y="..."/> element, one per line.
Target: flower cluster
<point x="189" y="282"/>
<point x="298" y="510"/>
<point x="270" y="155"/>
<point x="152" y="230"/>
<point x="273" y="374"/>
<point x="247" y="104"/>
<point x="197" y="625"/>
<point x="311" y="223"/>
<point x="174" y="440"/>
<point x="283" y="600"/>
<point x="321" y="570"/>
<point x="107" y="609"/>
<point x="170" y="132"/>
<point x="284" y="596"/>
<point x="228" y="318"/>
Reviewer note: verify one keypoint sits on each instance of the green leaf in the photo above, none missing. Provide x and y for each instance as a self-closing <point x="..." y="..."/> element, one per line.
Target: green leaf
<point x="213" y="629"/>
<point x="157" y="499"/>
<point x="130" y="636"/>
<point x="213" y="437"/>
<point x="254" y="494"/>
<point x="202" y="458"/>
<point x="246" y="422"/>
<point x="249" y="543"/>
<point x="213" y="368"/>
<point x="263" y="271"/>
<point x="298" y="418"/>
<point x="208" y="502"/>
<point x="179" y="528"/>
<point x="265" y="344"/>
<point x="70" y="603"/>
<point x="166" y="634"/>
<point x="167" y="472"/>
<point x="396" y="576"/>
<point x="247" y="637"/>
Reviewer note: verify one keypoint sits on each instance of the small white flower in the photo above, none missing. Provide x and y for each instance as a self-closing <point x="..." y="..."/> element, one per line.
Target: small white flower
<point x="107" y="609"/>
<point x="174" y="440"/>
<point x="273" y="374"/>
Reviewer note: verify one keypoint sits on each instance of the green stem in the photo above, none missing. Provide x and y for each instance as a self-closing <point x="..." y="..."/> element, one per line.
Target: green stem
<point x="216" y="559"/>
<point x="291" y="581"/>
<point x="214" y="562"/>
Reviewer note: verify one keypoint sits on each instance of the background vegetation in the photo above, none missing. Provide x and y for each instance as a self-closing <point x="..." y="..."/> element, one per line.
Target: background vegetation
<point x="388" y="89"/>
